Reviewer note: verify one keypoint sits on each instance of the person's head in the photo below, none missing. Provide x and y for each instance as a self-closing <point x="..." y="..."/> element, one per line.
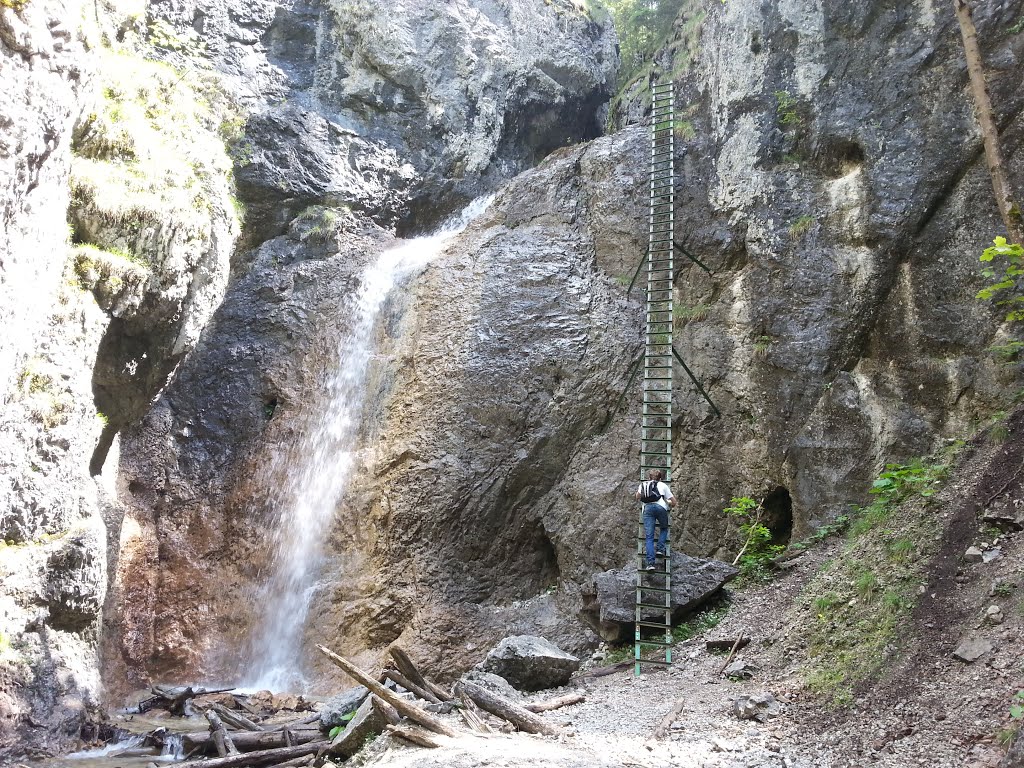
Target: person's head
<point x="655" y="474"/>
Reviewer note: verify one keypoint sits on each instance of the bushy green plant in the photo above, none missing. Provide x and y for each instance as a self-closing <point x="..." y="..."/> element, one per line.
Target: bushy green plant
<point x="897" y="483"/>
<point x="786" y="110"/>
<point x="1005" y="267"/>
<point x="756" y="550"/>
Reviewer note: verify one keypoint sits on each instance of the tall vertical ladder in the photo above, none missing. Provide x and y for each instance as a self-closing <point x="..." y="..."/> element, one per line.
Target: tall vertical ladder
<point x="654" y="588"/>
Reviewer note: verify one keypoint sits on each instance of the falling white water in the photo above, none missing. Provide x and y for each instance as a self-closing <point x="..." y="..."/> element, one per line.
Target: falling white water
<point x="319" y="467"/>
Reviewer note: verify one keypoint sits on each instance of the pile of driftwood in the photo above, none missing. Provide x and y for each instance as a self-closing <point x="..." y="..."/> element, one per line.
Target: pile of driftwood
<point x="243" y="736"/>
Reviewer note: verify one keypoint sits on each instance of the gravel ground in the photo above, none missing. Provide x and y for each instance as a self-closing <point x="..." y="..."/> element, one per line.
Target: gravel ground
<point x="931" y="710"/>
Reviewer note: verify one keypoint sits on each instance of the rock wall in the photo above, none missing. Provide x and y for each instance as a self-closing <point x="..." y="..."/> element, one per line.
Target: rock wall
<point x="840" y="217"/>
<point x="95" y="325"/>
<point x="840" y="214"/>
<point x="402" y="111"/>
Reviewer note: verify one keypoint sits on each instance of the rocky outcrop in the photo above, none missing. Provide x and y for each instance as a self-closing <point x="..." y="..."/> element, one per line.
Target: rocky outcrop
<point x="530" y="663"/>
<point x="842" y="222"/>
<point x="383" y="106"/>
<point x="155" y="227"/>
<point x="42" y="67"/>
<point x="610" y="603"/>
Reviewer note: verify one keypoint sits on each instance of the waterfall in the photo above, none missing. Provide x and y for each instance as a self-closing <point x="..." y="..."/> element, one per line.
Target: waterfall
<point x="315" y="471"/>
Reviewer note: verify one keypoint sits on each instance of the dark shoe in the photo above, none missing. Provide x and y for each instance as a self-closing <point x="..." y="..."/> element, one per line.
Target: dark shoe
<point x="650" y="567"/>
<point x="660" y="554"/>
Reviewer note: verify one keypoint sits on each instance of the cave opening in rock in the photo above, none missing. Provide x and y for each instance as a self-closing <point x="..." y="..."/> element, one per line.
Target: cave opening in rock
<point x="778" y="507"/>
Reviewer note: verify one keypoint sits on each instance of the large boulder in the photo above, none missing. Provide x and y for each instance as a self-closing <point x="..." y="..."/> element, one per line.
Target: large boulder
<point x="611" y="602"/>
<point x="530" y="663"/>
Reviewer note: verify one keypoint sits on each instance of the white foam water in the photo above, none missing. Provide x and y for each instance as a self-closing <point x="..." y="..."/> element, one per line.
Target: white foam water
<point x="316" y="469"/>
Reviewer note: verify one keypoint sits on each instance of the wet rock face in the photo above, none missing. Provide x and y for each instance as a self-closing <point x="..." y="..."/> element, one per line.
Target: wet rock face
<point x="379" y="105"/>
<point x="196" y="468"/>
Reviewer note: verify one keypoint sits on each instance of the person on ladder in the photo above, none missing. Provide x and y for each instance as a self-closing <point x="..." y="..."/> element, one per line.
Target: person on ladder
<point x="657" y="499"/>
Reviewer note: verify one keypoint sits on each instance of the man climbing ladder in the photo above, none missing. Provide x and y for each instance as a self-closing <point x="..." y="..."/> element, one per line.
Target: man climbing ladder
<point x="654" y="587"/>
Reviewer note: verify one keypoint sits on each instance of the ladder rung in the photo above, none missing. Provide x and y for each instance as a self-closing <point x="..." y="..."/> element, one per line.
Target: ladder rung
<point x="651" y="605"/>
<point x="652" y="625"/>
<point x="655" y="662"/>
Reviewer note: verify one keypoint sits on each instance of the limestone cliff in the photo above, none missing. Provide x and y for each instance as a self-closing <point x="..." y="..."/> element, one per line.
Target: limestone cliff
<point x="841" y="222"/>
<point x="831" y="181"/>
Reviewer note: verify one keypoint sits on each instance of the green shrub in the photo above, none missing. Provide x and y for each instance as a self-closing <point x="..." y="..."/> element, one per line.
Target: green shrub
<point x="756" y="548"/>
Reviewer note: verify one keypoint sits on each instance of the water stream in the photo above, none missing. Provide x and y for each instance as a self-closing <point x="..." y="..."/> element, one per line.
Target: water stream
<point x="316" y="471"/>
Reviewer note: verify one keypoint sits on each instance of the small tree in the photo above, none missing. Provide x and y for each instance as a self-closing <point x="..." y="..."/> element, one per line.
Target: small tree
<point x="757" y="548"/>
<point x="1008" y="209"/>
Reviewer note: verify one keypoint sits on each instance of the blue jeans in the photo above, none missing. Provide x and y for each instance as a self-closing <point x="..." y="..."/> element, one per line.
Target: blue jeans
<point x="655" y="513"/>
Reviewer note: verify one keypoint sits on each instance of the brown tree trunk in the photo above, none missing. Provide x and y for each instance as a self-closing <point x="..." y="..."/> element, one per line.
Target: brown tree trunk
<point x="521" y="718"/>
<point x="406" y="708"/>
<point x="1008" y="209"/>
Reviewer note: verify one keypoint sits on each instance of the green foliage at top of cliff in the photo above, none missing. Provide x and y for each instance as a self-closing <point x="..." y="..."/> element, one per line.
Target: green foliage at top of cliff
<point x="659" y="39"/>
<point x="645" y="26"/>
<point x="151" y="154"/>
<point x="15" y="4"/>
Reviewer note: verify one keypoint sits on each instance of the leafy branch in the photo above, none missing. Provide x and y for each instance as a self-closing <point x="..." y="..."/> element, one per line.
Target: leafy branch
<point x="757" y="549"/>
<point x="1005" y="266"/>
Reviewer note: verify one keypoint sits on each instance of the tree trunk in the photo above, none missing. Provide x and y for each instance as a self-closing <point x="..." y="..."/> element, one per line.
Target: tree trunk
<point x="233" y="718"/>
<point x="248" y="741"/>
<point x="408" y="709"/>
<point x="561" y="701"/>
<point x="1008" y="209"/>
<point x="523" y="719"/>
<point x="411" y="734"/>
<point x="409" y="685"/>
<point x="666" y="722"/>
<point x="258" y="758"/>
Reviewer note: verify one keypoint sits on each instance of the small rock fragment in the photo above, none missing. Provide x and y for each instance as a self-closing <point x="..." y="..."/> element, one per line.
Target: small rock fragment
<point x="757" y="706"/>
<point x="973" y="555"/>
<point x="971" y="649"/>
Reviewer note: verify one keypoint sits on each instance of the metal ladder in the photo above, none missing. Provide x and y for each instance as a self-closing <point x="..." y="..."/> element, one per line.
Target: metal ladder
<point x="654" y="588"/>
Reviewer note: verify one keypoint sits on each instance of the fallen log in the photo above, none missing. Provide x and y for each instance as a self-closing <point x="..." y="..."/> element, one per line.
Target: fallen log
<point x="441" y="693"/>
<point x="408" y="709"/>
<point x="406" y="667"/>
<point x="409" y="685"/>
<point x="261" y="757"/>
<point x="521" y="718"/>
<point x="296" y="762"/>
<point x="412" y="735"/>
<point x="561" y="701"/>
<point x="474" y="721"/>
<point x="249" y="741"/>
<point x="219" y="735"/>
<point x="602" y="671"/>
<point x="240" y="722"/>
<point x="717" y="646"/>
<point x="175" y="698"/>
<point x="666" y="722"/>
<point x="731" y="653"/>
